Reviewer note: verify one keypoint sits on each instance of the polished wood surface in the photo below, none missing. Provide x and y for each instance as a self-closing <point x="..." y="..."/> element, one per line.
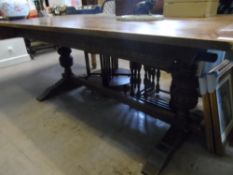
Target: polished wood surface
<point x="200" y="33"/>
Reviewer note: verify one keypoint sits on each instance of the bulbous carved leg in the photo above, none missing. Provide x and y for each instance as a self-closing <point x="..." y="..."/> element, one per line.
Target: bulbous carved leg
<point x="67" y="82"/>
<point x="184" y="91"/>
<point x="66" y="61"/>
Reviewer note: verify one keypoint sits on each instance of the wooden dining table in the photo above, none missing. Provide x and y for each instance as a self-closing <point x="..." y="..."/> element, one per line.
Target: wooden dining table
<point x="171" y="44"/>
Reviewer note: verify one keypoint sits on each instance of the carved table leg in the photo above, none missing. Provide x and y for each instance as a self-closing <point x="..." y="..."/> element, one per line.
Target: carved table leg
<point x="184" y="97"/>
<point x="67" y="82"/>
<point x="184" y="91"/>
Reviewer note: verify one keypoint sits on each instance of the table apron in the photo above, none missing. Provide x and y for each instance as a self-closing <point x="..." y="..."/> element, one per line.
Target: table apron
<point x="158" y="55"/>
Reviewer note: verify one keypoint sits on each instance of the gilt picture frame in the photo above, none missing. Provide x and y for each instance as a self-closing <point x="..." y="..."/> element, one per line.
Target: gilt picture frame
<point x="221" y="105"/>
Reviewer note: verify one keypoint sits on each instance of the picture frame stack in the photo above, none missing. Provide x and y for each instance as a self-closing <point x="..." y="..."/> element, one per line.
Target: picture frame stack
<point x="218" y="107"/>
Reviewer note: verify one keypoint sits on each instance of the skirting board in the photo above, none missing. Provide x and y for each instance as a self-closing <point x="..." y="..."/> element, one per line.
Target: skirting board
<point x="13" y="51"/>
<point x="14" y="60"/>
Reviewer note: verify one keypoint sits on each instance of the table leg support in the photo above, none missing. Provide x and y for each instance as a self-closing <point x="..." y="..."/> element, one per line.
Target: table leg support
<point x="67" y="82"/>
<point x="184" y="92"/>
<point x="184" y="97"/>
<point x="163" y="152"/>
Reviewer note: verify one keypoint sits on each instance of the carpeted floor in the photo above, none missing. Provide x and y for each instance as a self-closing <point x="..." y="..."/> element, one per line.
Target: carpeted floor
<point x="83" y="132"/>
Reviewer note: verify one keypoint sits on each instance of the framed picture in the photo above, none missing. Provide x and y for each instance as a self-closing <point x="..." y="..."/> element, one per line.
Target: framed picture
<point x="220" y="82"/>
<point x="224" y="103"/>
<point x="204" y="69"/>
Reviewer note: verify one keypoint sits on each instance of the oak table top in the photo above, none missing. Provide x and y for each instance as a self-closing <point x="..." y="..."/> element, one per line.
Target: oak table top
<point x="193" y="32"/>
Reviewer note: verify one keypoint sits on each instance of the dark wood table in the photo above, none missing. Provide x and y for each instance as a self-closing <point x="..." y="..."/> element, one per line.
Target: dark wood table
<point x="173" y="45"/>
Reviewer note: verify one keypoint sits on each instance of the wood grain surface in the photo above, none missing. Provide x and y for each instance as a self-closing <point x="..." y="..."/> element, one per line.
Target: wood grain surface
<point x="198" y="32"/>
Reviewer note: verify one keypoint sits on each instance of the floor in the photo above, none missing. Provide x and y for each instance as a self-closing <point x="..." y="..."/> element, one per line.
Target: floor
<point x="83" y="132"/>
